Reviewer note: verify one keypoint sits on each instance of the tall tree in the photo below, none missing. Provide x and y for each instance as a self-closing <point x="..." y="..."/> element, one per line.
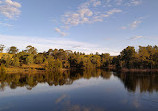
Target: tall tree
<point x="50" y="52"/>
<point x="1" y="48"/>
<point x="12" y="50"/>
<point x="128" y="55"/>
<point x="31" y="50"/>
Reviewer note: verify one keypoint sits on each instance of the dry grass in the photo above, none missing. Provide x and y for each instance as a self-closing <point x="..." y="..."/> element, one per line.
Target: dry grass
<point x="32" y="66"/>
<point x="1" y="54"/>
<point x="28" y="70"/>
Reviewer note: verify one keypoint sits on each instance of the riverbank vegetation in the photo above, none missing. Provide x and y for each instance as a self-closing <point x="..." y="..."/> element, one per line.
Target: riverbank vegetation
<point x="58" y="59"/>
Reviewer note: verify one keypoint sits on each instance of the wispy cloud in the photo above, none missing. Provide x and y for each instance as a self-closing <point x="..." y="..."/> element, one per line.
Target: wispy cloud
<point x="93" y="11"/>
<point x="10" y="9"/>
<point x="43" y="44"/>
<point x="136" y="37"/>
<point x="88" y="12"/>
<point x="134" y="24"/>
<point x="134" y="2"/>
<point x="96" y="3"/>
<point x="60" y="32"/>
<point x="87" y="16"/>
<point x="12" y="3"/>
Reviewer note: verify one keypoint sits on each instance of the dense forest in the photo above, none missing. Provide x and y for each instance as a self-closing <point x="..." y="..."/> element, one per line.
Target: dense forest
<point x="56" y="59"/>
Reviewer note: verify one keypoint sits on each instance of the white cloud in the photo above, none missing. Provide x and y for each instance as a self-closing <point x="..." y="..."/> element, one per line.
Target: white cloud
<point x="102" y="16"/>
<point x="134" y="2"/>
<point x="10" y="9"/>
<point x="135" y="24"/>
<point x="111" y="12"/>
<point x="60" y="32"/>
<point x="87" y="13"/>
<point x="112" y="3"/>
<point x="93" y="11"/>
<point x="136" y="37"/>
<point x="15" y="4"/>
<point x="96" y="3"/>
<point x="80" y="17"/>
<point x="43" y="44"/>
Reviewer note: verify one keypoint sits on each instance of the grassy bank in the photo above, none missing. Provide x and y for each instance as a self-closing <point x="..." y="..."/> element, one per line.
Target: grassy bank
<point x="34" y="68"/>
<point x="138" y="70"/>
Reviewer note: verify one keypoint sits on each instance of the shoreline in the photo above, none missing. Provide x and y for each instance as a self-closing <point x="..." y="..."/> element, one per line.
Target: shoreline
<point x="138" y="70"/>
<point x="34" y="70"/>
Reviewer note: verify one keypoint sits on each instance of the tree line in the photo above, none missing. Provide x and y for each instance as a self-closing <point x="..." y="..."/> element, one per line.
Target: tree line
<point x="54" y="59"/>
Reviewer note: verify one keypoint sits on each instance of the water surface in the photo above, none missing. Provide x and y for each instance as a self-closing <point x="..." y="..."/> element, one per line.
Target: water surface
<point x="93" y="90"/>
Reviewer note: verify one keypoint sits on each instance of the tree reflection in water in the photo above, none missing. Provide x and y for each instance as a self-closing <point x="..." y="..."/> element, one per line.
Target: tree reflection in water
<point x="144" y="82"/>
<point x="52" y="78"/>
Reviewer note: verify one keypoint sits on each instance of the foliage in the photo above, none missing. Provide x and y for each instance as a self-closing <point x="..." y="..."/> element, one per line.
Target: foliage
<point x="2" y="69"/>
<point x="31" y="50"/>
<point x="39" y="58"/>
<point x="6" y="60"/>
<point x="1" y="48"/>
<point x="16" y="62"/>
<point x="143" y="58"/>
<point x="29" y="59"/>
<point x="12" y="50"/>
<point x="53" y="65"/>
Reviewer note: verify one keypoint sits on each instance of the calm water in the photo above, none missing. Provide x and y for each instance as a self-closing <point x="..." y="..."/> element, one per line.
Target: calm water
<point x="79" y="91"/>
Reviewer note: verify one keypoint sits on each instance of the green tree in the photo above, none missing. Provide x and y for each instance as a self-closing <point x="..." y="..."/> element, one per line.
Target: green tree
<point x="106" y="60"/>
<point x="31" y="50"/>
<point x="50" y="52"/>
<point x="39" y="59"/>
<point x="29" y="59"/>
<point x="16" y="62"/>
<point x="2" y="69"/>
<point x="57" y="64"/>
<point x="1" y="48"/>
<point x="8" y="61"/>
<point x="12" y="50"/>
<point x="53" y="65"/>
<point x="128" y="55"/>
<point x="49" y="64"/>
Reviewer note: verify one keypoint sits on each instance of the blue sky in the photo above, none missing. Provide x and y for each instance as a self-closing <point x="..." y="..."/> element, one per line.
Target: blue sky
<point x="104" y="26"/>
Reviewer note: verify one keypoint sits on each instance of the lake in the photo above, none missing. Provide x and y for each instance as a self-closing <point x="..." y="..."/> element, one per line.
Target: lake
<point x="91" y="90"/>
